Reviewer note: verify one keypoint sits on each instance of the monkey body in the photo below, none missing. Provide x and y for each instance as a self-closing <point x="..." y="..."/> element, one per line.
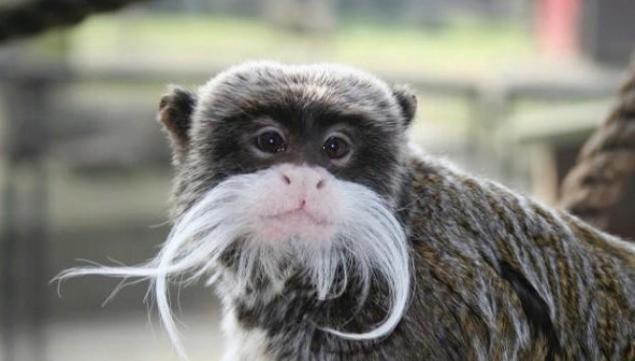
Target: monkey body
<point x="330" y="239"/>
<point x="496" y="277"/>
<point x="512" y="279"/>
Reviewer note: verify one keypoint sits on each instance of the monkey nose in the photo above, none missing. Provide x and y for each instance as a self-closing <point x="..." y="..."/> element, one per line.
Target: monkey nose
<point x="304" y="177"/>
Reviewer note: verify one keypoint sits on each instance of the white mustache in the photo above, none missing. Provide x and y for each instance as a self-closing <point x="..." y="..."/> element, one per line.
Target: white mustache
<point x="369" y="241"/>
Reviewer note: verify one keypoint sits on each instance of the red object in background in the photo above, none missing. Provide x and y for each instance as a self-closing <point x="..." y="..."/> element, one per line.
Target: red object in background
<point x="557" y="27"/>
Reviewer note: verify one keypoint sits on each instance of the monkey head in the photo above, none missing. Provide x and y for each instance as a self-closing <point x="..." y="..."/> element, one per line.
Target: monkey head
<point x="286" y="173"/>
<point x="286" y="170"/>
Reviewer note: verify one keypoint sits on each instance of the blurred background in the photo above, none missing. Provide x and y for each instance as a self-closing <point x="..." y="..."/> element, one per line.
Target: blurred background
<point x="508" y="89"/>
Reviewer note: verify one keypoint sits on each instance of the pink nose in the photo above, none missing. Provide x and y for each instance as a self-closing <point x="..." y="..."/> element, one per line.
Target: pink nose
<point x="303" y="177"/>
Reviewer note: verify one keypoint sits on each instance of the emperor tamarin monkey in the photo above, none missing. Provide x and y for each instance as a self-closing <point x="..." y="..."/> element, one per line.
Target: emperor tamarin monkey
<point x="329" y="238"/>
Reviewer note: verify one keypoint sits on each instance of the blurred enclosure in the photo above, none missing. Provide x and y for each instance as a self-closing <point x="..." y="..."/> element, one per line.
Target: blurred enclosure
<point x="507" y="88"/>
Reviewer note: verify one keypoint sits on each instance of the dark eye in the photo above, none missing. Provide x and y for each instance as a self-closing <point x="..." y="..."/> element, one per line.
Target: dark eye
<point x="336" y="147"/>
<point x="271" y="141"/>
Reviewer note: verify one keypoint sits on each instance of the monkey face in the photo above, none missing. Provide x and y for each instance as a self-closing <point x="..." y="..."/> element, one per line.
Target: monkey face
<point x="312" y="123"/>
<point x="345" y="123"/>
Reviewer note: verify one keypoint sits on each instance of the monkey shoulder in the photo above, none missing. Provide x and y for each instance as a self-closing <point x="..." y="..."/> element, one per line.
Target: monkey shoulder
<point x="514" y="270"/>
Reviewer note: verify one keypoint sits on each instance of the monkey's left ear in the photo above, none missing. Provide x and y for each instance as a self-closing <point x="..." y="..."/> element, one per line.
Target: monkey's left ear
<point x="175" y="112"/>
<point x="407" y="100"/>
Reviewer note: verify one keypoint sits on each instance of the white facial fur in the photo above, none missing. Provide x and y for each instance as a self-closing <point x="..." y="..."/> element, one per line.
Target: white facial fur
<point x="293" y="202"/>
<point x="284" y="219"/>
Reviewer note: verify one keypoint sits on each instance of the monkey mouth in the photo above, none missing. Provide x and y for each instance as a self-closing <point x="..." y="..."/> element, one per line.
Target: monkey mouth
<point x="295" y="224"/>
<point x="298" y="214"/>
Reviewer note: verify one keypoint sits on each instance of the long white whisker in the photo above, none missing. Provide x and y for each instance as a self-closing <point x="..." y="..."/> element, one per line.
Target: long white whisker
<point x="369" y="247"/>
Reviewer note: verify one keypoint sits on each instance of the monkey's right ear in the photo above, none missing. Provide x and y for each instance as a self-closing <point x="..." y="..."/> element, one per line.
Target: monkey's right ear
<point x="407" y="101"/>
<point x="175" y="112"/>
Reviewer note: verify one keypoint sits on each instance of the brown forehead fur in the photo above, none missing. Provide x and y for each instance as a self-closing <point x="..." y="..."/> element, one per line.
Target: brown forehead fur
<point x="253" y="85"/>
